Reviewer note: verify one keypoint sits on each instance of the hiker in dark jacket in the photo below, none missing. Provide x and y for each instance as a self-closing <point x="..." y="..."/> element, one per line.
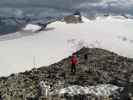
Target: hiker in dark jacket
<point x="86" y="57"/>
<point x="73" y="63"/>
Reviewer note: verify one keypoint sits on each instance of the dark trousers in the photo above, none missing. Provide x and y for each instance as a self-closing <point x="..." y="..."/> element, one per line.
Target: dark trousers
<point x="73" y="68"/>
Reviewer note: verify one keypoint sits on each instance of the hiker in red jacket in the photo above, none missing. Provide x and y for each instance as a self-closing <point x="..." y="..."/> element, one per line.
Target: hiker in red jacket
<point x="73" y="63"/>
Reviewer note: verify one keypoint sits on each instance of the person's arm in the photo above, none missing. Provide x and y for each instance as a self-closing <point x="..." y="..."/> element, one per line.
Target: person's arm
<point x="76" y="61"/>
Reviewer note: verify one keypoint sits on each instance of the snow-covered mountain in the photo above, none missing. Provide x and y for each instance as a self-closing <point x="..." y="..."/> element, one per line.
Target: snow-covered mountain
<point x="27" y="49"/>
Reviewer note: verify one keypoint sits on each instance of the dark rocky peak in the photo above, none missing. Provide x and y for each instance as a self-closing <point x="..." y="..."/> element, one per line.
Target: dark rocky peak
<point x="100" y="67"/>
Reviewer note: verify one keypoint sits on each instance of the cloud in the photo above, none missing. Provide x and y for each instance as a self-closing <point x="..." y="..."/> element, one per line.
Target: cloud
<point x="97" y="6"/>
<point x="110" y="6"/>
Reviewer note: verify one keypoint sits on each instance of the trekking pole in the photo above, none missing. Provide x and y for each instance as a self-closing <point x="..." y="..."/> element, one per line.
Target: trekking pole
<point x="34" y="61"/>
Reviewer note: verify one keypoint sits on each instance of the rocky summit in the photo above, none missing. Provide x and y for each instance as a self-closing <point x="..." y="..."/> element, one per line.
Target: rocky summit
<point x="100" y="67"/>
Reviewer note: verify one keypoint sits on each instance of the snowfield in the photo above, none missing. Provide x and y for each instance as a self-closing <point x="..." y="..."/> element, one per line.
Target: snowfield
<point x="103" y="90"/>
<point x="26" y="49"/>
<point x="31" y="27"/>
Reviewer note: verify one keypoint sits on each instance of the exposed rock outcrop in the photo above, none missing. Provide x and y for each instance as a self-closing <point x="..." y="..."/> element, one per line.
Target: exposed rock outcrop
<point x="75" y="18"/>
<point x="101" y="67"/>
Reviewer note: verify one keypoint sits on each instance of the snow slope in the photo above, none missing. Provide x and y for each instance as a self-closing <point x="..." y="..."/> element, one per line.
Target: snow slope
<point x="31" y="27"/>
<point x="104" y="90"/>
<point x="19" y="50"/>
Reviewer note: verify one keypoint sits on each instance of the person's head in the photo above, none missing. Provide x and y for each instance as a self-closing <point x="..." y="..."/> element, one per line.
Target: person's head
<point x="73" y="55"/>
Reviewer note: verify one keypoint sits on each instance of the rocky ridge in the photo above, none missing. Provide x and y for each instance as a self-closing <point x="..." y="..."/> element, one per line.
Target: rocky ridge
<point x="102" y="67"/>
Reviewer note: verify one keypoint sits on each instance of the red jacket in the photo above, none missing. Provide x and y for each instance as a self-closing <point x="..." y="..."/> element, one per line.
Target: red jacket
<point x="74" y="60"/>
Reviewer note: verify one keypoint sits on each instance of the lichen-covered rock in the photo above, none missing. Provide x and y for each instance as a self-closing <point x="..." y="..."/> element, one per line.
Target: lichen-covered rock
<point x="101" y="67"/>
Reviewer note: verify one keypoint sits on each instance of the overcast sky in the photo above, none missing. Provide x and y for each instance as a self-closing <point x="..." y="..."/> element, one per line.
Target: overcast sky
<point x="118" y="3"/>
<point x="113" y="6"/>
